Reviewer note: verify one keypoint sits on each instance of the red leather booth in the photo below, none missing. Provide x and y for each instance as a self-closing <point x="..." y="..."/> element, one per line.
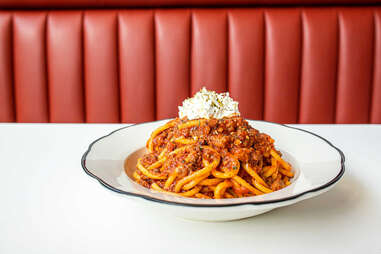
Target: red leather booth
<point x="132" y="61"/>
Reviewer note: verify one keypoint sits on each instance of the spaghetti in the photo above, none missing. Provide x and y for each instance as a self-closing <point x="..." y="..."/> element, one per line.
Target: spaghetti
<point x="212" y="158"/>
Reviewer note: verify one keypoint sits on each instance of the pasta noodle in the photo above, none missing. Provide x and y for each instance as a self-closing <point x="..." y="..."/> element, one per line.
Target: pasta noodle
<point x="212" y="158"/>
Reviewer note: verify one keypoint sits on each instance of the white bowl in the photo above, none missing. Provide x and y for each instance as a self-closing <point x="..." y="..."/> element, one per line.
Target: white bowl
<point x="317" y="165"/>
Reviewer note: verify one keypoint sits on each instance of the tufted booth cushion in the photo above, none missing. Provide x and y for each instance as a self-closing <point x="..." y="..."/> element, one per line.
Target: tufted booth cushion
<point x="289" y="65"/>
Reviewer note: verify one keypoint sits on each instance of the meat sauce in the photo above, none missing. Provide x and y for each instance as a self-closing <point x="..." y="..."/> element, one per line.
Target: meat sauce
<point x="233" y="139"/>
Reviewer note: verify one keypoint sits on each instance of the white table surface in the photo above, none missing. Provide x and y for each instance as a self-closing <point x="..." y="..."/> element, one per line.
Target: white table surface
<point x="49" y="205"/>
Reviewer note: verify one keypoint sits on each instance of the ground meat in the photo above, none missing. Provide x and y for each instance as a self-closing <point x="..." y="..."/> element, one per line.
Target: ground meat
<point x="242" y="154"/>
<point x="148" y="159"/>
<point x="219" y="140"/>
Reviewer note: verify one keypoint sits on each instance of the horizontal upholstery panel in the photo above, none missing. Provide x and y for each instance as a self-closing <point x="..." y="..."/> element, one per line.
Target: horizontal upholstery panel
<point x="293" y="65"/>
<point x="161" y="3"/>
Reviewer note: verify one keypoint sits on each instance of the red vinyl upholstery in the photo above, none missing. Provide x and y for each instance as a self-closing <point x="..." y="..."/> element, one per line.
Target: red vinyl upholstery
<point x="167" y="3"/>
<point x="289" y="65"/>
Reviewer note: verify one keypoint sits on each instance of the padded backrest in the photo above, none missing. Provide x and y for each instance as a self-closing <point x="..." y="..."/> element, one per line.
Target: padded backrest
<point x="289" y="65"/>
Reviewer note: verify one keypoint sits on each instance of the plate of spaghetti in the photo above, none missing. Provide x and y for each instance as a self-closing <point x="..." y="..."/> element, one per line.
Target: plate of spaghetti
<point x="210" y="163"/>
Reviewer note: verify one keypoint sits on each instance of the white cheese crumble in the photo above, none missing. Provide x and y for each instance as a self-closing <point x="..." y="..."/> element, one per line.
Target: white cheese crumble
<point x="208" y="104"/>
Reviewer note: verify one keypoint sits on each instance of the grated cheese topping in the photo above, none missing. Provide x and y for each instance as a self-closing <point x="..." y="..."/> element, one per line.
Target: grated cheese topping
<point x="208" y="104"/>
